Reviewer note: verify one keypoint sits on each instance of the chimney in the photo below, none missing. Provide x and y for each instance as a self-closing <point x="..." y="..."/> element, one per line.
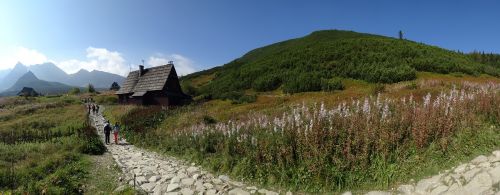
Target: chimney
<point x="141" y="70"/>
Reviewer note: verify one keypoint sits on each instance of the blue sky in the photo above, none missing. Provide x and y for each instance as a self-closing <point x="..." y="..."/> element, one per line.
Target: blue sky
<point x="112" y="35"/>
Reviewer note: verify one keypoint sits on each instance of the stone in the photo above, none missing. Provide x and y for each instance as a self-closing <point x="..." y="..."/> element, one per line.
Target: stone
<point x="406" y="189"/>
<point x="470" y="174"/>
<point x="479" y="159"/>
<point x="175" y="180"/>
<point x="493" y="159"/>
<point x="484" y="164"/>
<point x="120" y="189"/>
<point x="495" y="174"/>
<point x="141" y="180"/>
<point x="271" y="193"/>
<point x="378" y="193"/>
<point x="425" y="185"/>
<point x="438" y="190"/>
<point x="148" y="187"/>
<point x="208" y="185"/>
<point x="186" y="191"/>
<point x="224" y="178"/>
<point x="187" y="181"/>
<point x="153" y="179"/>
<point x="158" y="190"/>
<point x="496" y="153"/>
<point x="211" y="192"/>
<point x="252" y="188"/>
<point x="191" y="170"/>
<point x="238" y="191"/>
<point x="217" y="181"/>
<point x="172" y="187"/>
<point x="182" y="175"/>
<point x="290" y="193"/>
<point x="196" y="176"/>
<point x="481" y="182"/>
<point x="460" y="169"/>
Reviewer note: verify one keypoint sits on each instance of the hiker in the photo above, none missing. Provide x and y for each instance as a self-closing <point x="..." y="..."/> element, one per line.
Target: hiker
<point x="116" y="130"/>
<point x="97" y="109"/>
<point x="107" y="131"/>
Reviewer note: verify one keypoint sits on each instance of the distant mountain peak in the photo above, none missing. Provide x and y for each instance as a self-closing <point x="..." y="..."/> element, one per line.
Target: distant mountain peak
<point x="28" y="76"/>
<point x="19" y="64"/>
<point x="83" y="71"/>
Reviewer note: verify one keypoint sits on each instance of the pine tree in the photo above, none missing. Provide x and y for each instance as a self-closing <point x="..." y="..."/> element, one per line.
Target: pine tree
<point x="401" y="35"/>
<point x="91" y="88"/>
<point x="114" y="86"/>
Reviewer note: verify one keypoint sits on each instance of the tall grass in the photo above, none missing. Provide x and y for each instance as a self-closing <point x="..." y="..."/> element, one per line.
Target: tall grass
<point x="315" y="147"/>
<point x="41" y="150"/>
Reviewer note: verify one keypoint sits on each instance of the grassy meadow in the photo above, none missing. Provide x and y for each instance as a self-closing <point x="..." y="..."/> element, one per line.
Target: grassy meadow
<point x="367" y="136"/>
<point x="44" y="145"/>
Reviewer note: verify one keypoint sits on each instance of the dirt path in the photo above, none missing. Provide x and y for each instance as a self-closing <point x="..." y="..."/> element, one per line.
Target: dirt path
<point x="159" y="174"/>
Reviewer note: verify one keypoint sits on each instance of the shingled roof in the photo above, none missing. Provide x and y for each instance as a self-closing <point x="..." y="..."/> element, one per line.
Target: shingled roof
<point x="152" y="79"/>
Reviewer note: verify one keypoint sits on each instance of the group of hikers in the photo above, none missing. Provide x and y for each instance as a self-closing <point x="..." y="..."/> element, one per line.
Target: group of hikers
<point x="108" y="129"/>
<point x="94" y="109"/>
<point x="91" y="106"/>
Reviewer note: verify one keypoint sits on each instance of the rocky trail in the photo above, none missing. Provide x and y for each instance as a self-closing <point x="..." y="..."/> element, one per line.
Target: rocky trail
<point x="159" y="174"/>
<point x="479" y="176"/>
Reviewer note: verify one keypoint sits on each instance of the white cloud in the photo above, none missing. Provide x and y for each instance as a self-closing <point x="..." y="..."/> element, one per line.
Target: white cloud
<point x="98" y="59"/>
<point x="21" y="54"/>
<point x="183" y="65"/>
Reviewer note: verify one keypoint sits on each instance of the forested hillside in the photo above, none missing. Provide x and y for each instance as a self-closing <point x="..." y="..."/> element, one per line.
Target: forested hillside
<point x="311" y="62"/>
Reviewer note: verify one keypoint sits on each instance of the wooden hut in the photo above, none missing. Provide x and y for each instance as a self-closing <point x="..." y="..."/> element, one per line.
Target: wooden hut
<point x="152" y="86"/>
<point x="28" y="92"/>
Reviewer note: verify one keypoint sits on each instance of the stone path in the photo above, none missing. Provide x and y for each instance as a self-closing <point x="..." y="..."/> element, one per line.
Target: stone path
<point x="159" y="174"/>
<point x="479" y="176"/>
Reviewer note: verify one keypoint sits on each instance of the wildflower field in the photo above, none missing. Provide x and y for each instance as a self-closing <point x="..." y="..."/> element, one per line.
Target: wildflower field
<point x="371" y="141"/>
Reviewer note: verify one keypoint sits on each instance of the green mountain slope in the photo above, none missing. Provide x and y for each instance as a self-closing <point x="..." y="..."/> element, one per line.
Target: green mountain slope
<point x="40" y="86"/>
<point x="303" y="64"/>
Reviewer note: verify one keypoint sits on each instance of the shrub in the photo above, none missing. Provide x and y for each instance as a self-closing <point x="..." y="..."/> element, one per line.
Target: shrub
<point x="91" y="142"/>
<point x="245" y="99"/>
<point x="377" y="88"/>
<point x="208" y="120"/>
<point x="75" y="91"/>
<point x="90" y="88"/>
<point x="332" y="84"/>
<point x="266" y="83"/>
<point x="189" y="89"/>
<point x="108" y="100"/>
<point x="302" y="83"/>
<point x="412" y="85"/>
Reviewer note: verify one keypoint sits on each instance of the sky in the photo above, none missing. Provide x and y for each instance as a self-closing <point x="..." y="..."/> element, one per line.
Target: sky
<point x="116" y="35"/>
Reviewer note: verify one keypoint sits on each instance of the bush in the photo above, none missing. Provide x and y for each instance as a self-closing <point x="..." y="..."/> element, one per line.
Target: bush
<point x="245" y="99"/>
<point x="332" y="84"/>
<point x="90" y="88"/>
<point x="266" y="83"/>
<point x="377" y="88"/>
<point x="109" y="100"/>
<point x="75" y="91"/>
<point x="209" y="120"/>
<point x="412" y="85"/>
<point x="91" y="142"/>
<point x="302" y="83"/>
<point x="189" y="89"/>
